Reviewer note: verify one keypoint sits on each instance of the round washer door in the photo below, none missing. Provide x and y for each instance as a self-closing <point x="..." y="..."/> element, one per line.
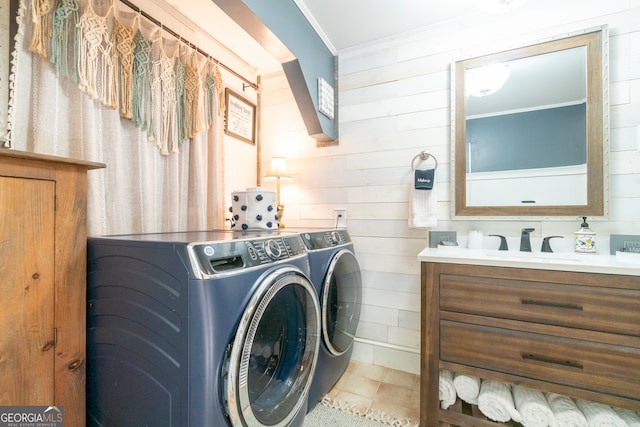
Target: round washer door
<point x="274" y="352"/>
<point x="341" y="302"/>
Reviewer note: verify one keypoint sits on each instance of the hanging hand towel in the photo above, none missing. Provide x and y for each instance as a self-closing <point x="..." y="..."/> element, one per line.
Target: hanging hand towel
<point x="423" y="200"/>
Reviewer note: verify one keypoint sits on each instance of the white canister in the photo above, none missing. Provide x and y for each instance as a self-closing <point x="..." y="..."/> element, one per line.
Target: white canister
<point x="254" y="209"/>
<point x="475" y="240"/>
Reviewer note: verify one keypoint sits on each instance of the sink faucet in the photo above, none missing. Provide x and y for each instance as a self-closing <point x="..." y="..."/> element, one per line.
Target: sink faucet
<point x="525" y="242"/>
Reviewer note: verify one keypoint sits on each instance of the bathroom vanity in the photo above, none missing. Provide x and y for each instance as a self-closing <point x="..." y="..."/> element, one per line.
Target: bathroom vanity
<point x="563" y="323"/>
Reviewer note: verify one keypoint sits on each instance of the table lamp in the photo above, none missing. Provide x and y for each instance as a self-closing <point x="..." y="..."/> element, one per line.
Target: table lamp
<point x="278" y="172"/>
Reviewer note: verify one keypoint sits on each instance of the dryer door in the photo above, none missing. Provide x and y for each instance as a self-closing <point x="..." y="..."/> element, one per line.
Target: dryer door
<point x="274" y="353"/>
<point x="341" y="302"/>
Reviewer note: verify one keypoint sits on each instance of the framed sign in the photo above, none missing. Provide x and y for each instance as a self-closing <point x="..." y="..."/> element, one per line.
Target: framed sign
<point x="325" y="98"/>
<point x="240" y="117"/>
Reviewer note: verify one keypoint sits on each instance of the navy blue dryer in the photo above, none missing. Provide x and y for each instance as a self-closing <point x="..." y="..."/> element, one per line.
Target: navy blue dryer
<point x="200" y="329"/>
<point x="336" y="275"/>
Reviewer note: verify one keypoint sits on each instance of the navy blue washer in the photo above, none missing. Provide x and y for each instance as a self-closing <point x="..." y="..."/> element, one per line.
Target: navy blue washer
<point x="199" y="329"/>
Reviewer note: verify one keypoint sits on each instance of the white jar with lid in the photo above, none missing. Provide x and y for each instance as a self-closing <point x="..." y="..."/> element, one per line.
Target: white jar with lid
<point x="475" y="240"/>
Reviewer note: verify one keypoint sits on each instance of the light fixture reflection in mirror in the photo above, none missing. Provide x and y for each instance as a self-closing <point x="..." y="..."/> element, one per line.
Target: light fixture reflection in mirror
<point x="483" y="81"/>
<point x="535" y="147"/>
<point x="498" y="6"/>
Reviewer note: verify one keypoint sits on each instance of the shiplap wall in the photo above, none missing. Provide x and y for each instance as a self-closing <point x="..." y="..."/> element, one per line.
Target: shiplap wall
<point x="394" y="101"/>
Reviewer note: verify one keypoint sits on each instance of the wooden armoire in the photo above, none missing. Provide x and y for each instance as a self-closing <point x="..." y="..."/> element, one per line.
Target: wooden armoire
<point x="43" y="240"/>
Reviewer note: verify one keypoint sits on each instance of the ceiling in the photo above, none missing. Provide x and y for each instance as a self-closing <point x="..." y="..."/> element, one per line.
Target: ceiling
<point x="333" y="20"/>
<point x="378" y="19"/>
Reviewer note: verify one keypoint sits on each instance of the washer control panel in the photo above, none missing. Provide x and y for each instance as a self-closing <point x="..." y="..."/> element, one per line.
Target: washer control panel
<point x="223" y="257"/>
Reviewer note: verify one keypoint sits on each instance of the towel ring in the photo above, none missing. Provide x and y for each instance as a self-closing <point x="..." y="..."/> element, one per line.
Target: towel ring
<point x="423" y="156"/>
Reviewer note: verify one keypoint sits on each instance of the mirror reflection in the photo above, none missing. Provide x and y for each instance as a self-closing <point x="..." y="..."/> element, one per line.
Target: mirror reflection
<point x="528" y="130"/>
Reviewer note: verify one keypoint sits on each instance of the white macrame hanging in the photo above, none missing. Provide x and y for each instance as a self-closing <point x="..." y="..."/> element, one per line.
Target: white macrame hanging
<point x="96" y="68"/>
<point x="164" y="101"/>
<point x="124" y="44"/>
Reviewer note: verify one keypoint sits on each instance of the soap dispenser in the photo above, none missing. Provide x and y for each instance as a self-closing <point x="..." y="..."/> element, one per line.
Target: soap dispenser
<point x="585" y="238"/>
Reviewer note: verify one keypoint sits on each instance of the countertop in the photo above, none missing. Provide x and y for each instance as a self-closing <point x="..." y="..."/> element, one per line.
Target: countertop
<point x="561" y="261"/>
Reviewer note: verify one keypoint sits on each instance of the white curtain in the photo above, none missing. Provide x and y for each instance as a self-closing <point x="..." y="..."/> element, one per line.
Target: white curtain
<point x="140" y="190"/>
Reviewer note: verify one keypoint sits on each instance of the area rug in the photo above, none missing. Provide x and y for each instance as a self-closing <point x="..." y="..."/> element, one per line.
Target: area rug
<point x="335" y="413"/>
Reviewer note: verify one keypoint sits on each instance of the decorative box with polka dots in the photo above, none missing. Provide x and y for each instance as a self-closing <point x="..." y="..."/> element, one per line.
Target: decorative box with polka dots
<point x="254" y="209"/>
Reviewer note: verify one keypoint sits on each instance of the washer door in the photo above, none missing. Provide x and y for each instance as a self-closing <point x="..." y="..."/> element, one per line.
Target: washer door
<point x="274" y="352"/>
<point x="341" y="302"/>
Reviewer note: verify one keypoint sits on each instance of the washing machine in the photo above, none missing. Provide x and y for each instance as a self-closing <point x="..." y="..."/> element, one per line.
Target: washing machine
<point x="200" y="329"/>
<point x="335" y="273"/>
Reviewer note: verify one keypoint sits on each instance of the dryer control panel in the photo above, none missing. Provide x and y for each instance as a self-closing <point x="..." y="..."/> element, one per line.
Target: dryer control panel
<point x="213" y="258"/>
<point x="325" y="239"/>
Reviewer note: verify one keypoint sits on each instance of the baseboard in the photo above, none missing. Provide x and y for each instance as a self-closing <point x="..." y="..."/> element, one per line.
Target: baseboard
<point x="387" y="355"/>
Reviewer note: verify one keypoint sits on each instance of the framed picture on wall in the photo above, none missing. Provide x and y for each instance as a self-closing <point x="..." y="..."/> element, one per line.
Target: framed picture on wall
<point x="240" y="117"/>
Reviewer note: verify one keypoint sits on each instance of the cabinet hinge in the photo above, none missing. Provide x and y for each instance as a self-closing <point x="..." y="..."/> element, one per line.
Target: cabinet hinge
<point x="55" y="336"/>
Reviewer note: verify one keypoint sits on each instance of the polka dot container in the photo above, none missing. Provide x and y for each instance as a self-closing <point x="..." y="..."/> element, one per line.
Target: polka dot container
<point x="254" y="209"/>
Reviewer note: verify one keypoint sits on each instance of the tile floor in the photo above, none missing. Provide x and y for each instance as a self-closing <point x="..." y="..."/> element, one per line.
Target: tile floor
<point x="377" y="388"/>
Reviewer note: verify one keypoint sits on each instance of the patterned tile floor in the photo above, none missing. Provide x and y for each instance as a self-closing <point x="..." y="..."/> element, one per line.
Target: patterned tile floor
<point x="376" y="388"/>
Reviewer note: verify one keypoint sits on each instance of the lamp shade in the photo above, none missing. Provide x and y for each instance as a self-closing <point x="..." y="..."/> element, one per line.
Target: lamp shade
<point x="278" y="170"/>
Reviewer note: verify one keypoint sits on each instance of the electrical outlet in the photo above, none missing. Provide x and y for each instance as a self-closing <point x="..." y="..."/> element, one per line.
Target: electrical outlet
<point x="340" y="218"/>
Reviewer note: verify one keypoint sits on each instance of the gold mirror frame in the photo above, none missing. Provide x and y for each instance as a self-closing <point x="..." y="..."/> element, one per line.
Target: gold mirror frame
<point x="596" y="43"/>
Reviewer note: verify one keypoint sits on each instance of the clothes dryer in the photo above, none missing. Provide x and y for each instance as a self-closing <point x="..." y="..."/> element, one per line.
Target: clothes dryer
<point x="335" y="273"/>
<point x="200" y="329"/>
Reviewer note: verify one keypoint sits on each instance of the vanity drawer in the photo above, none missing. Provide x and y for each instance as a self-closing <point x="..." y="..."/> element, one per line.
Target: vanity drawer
<point x="603" y="368"/>
<point x="606" y="309"/>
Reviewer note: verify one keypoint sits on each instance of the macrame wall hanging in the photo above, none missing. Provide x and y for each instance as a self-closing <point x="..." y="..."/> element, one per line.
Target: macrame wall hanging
<point x="124" y="44"/>
<point x="96" y="68"/>
<point x="167" y="87"/>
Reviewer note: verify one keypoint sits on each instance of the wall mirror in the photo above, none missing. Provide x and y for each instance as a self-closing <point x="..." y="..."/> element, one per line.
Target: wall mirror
<point x="529" y="130"/>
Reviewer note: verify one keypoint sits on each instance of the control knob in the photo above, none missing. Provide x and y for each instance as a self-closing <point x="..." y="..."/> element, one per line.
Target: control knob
<point x="272" y="248"/>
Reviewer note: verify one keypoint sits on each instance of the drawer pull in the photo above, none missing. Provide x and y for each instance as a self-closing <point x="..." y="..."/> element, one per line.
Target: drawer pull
<point x="543" y="359"/>
<point x="551" y="304"/>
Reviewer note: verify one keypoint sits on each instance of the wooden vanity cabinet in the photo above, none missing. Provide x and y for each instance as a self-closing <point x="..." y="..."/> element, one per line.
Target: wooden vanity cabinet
<point x="576" y="334"/>
<point x="43" y="240"/>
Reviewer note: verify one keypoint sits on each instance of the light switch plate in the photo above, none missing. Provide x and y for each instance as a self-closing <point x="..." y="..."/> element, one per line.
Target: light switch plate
<point x="340" y="218"/>
<point x="436" y="237"/>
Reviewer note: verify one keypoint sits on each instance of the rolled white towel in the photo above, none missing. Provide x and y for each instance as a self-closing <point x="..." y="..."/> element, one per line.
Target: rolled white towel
<point x="565" y="411"/>
<point x="599" y="414"/>
<point x="446" y="390"/>
<point x="467" y="387"/>
<point x="495" y="402"/>
<point x="628" y="416"/>
<point x="533" y="407"/>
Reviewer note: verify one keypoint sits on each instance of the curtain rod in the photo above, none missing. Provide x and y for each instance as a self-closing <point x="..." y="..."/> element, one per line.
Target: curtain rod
<point x="135" y="8"/>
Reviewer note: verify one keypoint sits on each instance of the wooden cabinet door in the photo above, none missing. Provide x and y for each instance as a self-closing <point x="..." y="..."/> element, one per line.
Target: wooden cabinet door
<point x="27" y="295"/>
